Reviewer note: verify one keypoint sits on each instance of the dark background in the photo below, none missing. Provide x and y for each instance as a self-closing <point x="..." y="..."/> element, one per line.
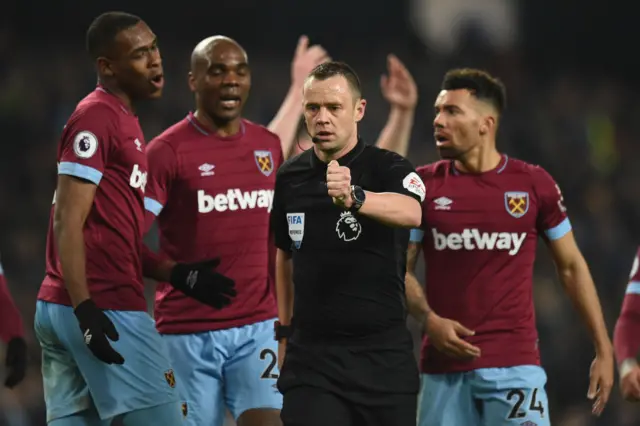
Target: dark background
<point x="570" y="67"/>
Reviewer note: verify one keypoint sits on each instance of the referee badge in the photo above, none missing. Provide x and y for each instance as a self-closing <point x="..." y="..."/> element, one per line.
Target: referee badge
<point x="296" y="228"/>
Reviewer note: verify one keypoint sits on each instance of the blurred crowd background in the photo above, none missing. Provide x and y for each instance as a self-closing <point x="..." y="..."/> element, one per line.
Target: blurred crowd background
<point x="572" y="86"/>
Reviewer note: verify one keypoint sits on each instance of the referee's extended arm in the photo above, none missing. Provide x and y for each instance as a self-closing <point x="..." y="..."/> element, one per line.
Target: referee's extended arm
<point x="389" y="208"/>
<point x="392" y="209"/>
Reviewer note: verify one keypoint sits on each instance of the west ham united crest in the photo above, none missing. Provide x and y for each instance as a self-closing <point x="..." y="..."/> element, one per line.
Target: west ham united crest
<point x="185" y="409"/>
<point x="264" y="161"/>
<point x="516" y="203"/>
<point x="170" y="378"/>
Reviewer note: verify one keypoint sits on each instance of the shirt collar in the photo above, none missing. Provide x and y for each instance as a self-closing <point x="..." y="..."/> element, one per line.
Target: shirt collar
<point x="344" y="160"/>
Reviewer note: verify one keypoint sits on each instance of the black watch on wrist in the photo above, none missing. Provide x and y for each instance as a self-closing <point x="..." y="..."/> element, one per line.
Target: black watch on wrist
<point x="282" y="331"/>
<point x="358" y="196"/>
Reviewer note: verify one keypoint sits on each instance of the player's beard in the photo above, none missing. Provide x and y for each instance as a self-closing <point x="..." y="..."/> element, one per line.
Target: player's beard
<point x="449" y="153"/>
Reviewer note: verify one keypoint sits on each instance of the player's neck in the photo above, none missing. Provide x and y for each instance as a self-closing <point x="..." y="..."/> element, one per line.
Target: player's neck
<point x="114" y="90"/>
<point x="328" y="156"/>
<point x="222" y="129"/>
<point x="479" y="160"/>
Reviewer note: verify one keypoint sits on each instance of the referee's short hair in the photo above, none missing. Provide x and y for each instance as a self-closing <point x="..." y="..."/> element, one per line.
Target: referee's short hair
<point x="331" y="69"/>
<point x="104" y="29"/>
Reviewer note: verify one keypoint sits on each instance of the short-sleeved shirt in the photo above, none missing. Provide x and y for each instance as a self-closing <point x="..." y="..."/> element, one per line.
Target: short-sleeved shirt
<point x="212" y="197"/>
<point x="348" y="273"/>
<point x="479" y="236"/>
<point x="102" y="143"/>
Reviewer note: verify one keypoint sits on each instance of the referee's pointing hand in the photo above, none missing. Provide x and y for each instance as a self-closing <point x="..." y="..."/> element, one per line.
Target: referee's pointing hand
<point x="339" y="184"/>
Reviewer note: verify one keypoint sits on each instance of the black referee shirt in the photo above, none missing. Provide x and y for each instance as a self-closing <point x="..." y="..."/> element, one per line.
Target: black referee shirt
<point x="348" y="270"/>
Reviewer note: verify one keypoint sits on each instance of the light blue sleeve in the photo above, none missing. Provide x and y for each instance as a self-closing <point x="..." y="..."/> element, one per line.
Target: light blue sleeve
<point x="633" y="287"/>
<point x="559" y="231"/>
<point x="416" y="235"/>
<point x="152" y="206"/>
<point x="80" y="171"/>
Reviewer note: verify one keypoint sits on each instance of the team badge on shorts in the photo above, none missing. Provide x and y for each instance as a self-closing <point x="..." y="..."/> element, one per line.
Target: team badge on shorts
<point x="264" y="161"/>
<point x="185" y="409"/>
<point x="170" y="378"/>
<point x="516" y="203"/>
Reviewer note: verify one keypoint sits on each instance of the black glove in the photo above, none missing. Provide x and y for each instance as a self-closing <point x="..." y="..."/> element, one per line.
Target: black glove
<point x="201" y="282"/>
<point x="16" y="361"/>
<point x="96" y="328"/>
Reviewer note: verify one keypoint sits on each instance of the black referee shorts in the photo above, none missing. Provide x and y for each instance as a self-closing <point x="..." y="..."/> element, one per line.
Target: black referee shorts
<point x="312" y="406"/>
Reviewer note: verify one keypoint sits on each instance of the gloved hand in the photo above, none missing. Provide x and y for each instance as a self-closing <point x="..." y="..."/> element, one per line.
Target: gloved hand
<point x="16" y="361"/>
<point x="201" y="282"/>
<point x="98" y="329"/>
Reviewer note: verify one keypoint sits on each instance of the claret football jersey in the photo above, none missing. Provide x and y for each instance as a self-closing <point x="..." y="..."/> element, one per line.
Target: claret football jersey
<point x="212" y="197"/>
<point x="479" y="236"/>
<point x="102" y="143"/>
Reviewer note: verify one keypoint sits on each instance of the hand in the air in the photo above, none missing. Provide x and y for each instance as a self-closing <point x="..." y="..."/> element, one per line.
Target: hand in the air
<point x="339" y="184"/>
<point x="306" y="59"/>
<point x="446" y="335"/>
<point x="398" y="87"/>
<point x="600" y="381"/>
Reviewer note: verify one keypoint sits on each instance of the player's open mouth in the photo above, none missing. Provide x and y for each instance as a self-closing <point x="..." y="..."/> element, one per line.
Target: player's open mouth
<point x="158" y="81"/>
<point x="442" y="139"/>
<point x="230" y="102"/>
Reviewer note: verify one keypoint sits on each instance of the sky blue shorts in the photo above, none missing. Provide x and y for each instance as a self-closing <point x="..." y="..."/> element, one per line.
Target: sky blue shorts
<point x="513" y="396"/>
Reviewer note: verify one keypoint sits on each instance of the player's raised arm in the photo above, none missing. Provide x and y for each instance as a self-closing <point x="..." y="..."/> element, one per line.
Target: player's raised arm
<point x="285" y="123"/>
<point x="11" y="333"/>
<point x="400" y="91"/>
<point x="626" y="337"/>
<point x="578" y="284"/>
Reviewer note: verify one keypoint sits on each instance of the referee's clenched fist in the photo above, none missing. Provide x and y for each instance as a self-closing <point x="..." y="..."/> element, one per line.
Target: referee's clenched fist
<point x="339" y="184"/>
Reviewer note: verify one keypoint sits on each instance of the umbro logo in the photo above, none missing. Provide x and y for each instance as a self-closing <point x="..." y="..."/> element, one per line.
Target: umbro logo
<point x="138" y="145"/>
<point x="443" y="203"/>
<point x="206" y="169"/>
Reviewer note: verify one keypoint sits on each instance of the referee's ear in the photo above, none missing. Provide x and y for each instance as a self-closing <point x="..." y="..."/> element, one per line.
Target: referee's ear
<point x="361" y="106"/>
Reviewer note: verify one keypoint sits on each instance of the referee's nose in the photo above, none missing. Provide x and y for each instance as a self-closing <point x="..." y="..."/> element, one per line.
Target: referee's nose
<point x="322" y="117"/>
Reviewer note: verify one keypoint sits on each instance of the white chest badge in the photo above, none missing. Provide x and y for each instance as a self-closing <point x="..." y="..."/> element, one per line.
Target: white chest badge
<point x="348" y="227"/>
<point x="296" y="228"/>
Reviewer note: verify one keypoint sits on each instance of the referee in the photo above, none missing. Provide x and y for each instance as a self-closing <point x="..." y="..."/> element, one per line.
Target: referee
<point x="341" y="214"/>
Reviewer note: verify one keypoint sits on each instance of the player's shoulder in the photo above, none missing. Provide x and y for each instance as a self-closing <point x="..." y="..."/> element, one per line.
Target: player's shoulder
<point x="260" y="133"/>
<point x="174" y="134"/>
<point x="95" y="106"/>
<point x="431" y="170"/>
<point x="533" y="172"/>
